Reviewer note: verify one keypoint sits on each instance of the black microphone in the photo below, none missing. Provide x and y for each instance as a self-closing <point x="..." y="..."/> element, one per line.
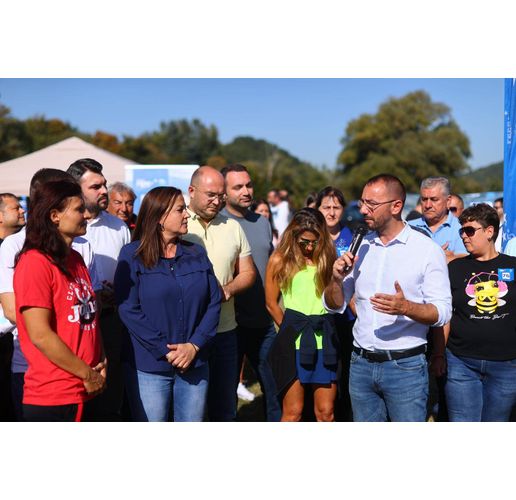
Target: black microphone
<point x="358" y="236"/>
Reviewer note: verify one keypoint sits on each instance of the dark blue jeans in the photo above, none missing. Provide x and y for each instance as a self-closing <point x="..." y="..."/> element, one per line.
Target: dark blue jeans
<point x="255" y="343"/>
<point x="478" y="390"/>
<point x="395" y="390"/>
<point x="17" y="380"/>
<point x="224" y="376"/>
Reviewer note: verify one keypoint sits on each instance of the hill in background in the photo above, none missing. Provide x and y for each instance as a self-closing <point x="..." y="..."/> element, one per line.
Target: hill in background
<point x="489" y="178"/>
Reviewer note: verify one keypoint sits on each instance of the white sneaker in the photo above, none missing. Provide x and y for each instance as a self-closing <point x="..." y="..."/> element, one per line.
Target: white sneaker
<point x="244" y="393"/>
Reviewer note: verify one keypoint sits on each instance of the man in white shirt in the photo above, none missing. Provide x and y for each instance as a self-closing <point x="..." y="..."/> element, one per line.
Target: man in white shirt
<point x="107" y="235"/>
<point x="12" y="218"/>
<point x="400" y="282"/>
<point x="498" y="206"/>
<point x="280" y="211"/>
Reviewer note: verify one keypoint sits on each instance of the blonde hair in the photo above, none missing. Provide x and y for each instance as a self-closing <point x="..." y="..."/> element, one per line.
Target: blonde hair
<point x="291" y="258"/>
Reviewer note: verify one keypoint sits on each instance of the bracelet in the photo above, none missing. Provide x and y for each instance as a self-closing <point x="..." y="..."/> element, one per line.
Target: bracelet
<point x="196" y="349"/>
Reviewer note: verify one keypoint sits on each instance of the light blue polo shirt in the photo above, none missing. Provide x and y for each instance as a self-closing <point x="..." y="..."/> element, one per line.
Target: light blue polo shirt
<point x="447" y="232"/>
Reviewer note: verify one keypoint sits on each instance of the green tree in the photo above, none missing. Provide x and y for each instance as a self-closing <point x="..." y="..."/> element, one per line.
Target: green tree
<point x="270" y="166"/>
<point x="15" y="140"/>
<point x="411" y="137"/>
<point x="142" y="149"/>
<point x="107" y="141"/>
<point x="45" y="132"/>
<point x="187" y="142"/>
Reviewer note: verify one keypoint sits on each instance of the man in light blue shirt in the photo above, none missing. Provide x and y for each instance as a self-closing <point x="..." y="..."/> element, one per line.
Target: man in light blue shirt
<point x="400" y="282"/>
<point x="437" y="221"/>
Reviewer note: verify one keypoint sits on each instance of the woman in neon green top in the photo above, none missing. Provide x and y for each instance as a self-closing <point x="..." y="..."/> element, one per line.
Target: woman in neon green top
<point x="304" y="354"/>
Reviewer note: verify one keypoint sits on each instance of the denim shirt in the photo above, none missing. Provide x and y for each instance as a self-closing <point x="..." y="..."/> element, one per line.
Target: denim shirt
<point x="447" y="232"/>
<point x="176" y="301"/>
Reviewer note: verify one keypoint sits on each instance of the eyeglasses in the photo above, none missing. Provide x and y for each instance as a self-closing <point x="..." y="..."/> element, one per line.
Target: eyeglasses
<point x="453" y="209"/>
<point x="372" y="205"/>
<point x="468" y="230"/>
<point x="212" y="196"/>
<point x="306" y="243"/>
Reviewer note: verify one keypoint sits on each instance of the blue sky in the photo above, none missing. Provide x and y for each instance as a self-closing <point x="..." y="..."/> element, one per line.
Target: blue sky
<point x="307" y="117"/>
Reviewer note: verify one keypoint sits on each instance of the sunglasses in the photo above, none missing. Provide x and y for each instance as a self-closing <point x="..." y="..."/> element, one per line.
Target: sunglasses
<point x="453" y="209"/>
<point x="305" y="243"/>
<point x="468" y="230"/>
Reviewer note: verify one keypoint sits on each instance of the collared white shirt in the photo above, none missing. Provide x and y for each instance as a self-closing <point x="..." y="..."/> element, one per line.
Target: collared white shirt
<point x="107" y="235"/>
<point x="419" y="266"/>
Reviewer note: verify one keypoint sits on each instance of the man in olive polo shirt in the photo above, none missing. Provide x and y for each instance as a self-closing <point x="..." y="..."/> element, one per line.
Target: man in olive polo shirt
<point x="230" y="254"/>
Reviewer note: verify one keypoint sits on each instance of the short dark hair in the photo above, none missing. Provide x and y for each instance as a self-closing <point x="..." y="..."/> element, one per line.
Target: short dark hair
<point x="458" y="196"/>
<point x="484" y="214"/>
<point x="310" y="198"/>
<point x="233" y="167"/>
<point x="499" y="200"/>
<point x="2" y="198"/>
<point x="78" y="167"/>
<point x="392" y="183"/>
<point x="332" y="192"/>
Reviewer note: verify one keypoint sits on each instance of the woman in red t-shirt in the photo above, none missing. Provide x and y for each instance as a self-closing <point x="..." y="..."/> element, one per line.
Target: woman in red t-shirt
<point x="56" y="310"/>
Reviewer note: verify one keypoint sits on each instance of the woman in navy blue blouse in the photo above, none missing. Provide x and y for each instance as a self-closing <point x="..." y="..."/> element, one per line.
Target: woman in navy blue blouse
<point x="169" y="300"/>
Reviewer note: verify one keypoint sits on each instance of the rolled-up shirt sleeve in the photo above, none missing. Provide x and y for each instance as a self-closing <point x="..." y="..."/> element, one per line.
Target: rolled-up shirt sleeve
<point x="348" y="289"/>
<point x="436" y="285"/>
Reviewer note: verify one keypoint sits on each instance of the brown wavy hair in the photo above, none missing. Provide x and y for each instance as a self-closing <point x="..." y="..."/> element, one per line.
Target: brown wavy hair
<point x="156" y="203"/>
<point x="292" y="259"/>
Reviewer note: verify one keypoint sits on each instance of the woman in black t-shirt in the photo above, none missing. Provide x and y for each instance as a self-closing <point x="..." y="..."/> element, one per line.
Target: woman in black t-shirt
<point x="481" y="337"/>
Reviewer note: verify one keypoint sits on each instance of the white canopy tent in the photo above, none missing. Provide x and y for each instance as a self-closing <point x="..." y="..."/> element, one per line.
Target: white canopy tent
<point x="15" y="175"/>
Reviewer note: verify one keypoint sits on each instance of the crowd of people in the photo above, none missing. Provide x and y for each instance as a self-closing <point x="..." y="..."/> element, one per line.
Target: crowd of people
<point x="112" y="316"/>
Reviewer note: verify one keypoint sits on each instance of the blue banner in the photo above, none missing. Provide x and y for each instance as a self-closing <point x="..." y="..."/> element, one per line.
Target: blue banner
<point x="509" y="161"/>
<point x="142" y="178"/>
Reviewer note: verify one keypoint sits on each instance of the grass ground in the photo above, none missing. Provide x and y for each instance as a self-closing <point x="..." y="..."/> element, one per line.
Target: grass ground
<point x="251" y="411"/>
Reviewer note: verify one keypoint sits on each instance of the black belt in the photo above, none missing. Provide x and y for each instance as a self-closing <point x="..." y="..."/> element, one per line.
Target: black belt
<point x="381" y="356"/>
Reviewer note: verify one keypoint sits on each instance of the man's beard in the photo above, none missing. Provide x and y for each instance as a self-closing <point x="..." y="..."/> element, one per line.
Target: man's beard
<point x="93" y="208"/>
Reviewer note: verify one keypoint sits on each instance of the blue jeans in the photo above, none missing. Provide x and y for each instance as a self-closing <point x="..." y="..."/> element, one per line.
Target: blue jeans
<point x="478" y="390"/>
<point x="255" y="343"/>
<point x="151" y="394"/>
<point x="395" y="390"/>
<point x="224" y="376"/>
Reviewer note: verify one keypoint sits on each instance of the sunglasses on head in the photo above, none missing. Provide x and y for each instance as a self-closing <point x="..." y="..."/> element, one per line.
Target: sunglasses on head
<point x="468" y="230"/>
<point x="305" y="243"/>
